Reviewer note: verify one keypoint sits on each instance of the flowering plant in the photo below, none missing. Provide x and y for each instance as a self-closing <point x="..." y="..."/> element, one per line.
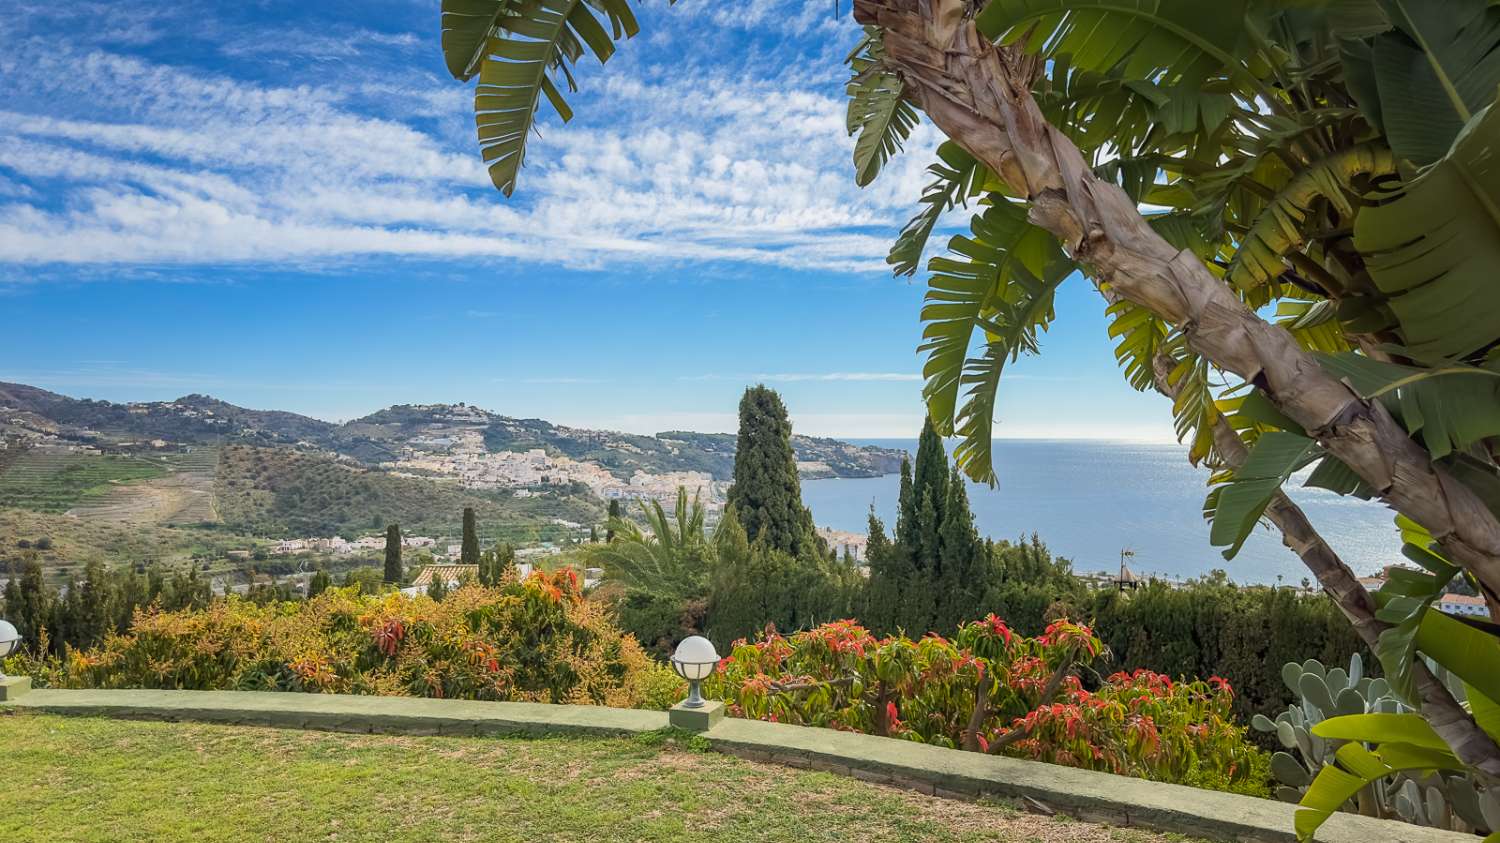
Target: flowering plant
<point x="535" y="639"/>
<point x="992" y="690"/>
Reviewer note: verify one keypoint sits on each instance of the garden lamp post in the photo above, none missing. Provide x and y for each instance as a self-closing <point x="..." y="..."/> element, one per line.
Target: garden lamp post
<point x="10" y="641"/>
<point x="695" y="660"/>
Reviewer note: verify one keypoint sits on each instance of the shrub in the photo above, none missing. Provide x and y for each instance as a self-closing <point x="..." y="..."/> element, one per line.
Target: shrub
<point x="534" y="640"/>
<point x="992" y="690"/>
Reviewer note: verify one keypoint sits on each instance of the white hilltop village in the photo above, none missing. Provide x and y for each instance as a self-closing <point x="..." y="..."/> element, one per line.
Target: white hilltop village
<point x="458" y="454"/>
<point x="462" y="455"/>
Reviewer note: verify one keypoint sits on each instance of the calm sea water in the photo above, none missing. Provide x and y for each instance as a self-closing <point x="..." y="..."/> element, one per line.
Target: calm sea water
<point x="1089" y="499"/>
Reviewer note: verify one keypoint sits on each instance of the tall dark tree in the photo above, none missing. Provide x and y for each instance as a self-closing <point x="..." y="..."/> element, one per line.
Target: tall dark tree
<point x="28" y="602"/>
<point x="964" y="569"/>
<point x="319" y="583"/>
<point x="890" y="571"/>
<point x="469" y="554"/>
<point x="615" y="513"/>
<point x="393" y="570"/>
<point x="766" y="493"/>
<point x="930" y="481"/>
<point x="937" y="572"/>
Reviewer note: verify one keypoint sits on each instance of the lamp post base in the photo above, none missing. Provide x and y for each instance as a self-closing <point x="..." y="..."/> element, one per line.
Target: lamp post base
<point x="13" y="686"/>
<point x="699" y="719"/>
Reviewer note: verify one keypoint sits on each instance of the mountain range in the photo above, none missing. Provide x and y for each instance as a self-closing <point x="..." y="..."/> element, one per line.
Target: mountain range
<point x="30" y="413"/>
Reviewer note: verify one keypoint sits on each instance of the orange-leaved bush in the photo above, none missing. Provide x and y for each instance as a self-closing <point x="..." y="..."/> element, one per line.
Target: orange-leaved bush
<point x="531" y="640"/>
<point x="989" y="689"/>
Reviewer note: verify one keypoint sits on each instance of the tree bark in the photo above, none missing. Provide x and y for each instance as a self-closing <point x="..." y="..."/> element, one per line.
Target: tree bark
<point x="1447" y="717"/>
<point x="979" y="95"/>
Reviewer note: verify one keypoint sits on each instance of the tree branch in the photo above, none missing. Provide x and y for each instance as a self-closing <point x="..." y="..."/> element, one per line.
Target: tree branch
<point x="1447" y="717"/>
<point x="1048" y="692"/>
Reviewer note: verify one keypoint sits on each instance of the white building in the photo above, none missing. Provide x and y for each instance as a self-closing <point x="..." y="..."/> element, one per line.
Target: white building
<point x="1462" y="604"/>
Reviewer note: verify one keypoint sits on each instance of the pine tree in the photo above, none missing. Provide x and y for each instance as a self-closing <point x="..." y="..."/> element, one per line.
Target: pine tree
<point x="766" y="493"/>
<point x="393" y="570"/>
<point x="469" y="554"/>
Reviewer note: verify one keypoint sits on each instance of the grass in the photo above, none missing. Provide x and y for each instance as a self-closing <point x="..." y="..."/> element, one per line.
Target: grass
<point x="87" y="779"/>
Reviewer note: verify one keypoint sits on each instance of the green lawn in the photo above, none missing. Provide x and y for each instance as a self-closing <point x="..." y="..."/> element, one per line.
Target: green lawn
<point x="86" y="779"/>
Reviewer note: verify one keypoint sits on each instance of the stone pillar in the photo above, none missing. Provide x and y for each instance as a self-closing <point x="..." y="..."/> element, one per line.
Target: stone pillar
<point x="699" y="719"/>
<point x="12" y="687"/>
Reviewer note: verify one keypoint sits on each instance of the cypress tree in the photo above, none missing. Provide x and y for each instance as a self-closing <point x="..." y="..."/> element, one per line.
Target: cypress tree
<point x="393" y="571"/>
<point x="469" y="554"/>
<point x="964" y="569"/>
<point x="929" y="482"/>
<point x="906" y="512"/>
<point x="319" y="583"/>
<point x="766" y="492"/>
<point x="889" y="573"/>
<point x="614" y="515"/>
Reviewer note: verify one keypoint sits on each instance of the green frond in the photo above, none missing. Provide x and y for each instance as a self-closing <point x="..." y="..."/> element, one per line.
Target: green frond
<point x="878" y="110"/>
<point x="1237" y="505"/>
<point x="526" y="48"/>
<point x="1282" y="227"/>
<point x="670" y="552"/>
<point x="1437" y="69"/>
<point x="1432" y="247"/>
<point x="999" y="282"/>
<point x="1314" y="324"/>
<point x="467" y="24"/>
<point x="959" y="178"/>
<point x="1169" y="41"/>
<point x="1141" y="336"/>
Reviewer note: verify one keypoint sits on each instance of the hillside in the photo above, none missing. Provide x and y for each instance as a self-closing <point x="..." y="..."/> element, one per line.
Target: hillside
<point x="192" y="419"/>
<point x="382" y="437"/>
<point x="281" y="493"/>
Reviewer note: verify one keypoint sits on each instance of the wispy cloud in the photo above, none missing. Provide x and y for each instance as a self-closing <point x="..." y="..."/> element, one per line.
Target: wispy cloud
<point x="671" y="161"/>
<point x="795" y="377"/>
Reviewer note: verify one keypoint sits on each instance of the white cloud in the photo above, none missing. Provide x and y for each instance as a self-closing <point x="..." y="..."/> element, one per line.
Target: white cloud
<point x="661" y="168"/>
<point x="796" y="377"/>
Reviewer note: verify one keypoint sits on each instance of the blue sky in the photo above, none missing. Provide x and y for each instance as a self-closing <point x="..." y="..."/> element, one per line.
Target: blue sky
<point x="281" y="204"/>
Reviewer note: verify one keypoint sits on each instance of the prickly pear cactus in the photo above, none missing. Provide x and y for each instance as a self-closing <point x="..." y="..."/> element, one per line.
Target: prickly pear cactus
<point x="1445" y="800"/>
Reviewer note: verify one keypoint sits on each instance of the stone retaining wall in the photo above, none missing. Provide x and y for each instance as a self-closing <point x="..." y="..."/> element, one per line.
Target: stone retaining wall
<point x="1118" y="800"/>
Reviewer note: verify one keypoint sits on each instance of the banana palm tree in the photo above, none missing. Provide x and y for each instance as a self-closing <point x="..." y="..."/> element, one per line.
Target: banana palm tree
<point x="1292" y="210"/>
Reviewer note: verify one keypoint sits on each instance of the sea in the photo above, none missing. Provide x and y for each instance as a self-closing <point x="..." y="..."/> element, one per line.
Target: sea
<point x="1089" y="500"/>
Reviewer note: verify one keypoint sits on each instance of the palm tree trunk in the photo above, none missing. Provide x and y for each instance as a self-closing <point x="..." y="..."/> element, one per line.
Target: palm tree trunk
<point x="979" y="95"/>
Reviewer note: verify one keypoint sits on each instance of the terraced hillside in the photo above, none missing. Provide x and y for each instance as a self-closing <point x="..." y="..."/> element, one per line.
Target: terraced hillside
<point x="279" y="493"/>
<point x="56" y="481"/>
<point x="184" y="494"/>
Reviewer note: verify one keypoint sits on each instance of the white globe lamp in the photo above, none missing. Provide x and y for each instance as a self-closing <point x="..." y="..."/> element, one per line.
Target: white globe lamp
<point x="10" y="641"/>
<point x="695" y="661"/>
